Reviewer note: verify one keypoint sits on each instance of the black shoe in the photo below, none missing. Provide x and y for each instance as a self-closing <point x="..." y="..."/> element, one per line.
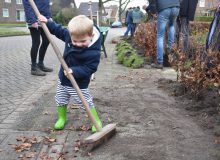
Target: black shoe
<point x="37" y="72"/>
<point x="42" y="67"/>
<point x="156" y="65"/>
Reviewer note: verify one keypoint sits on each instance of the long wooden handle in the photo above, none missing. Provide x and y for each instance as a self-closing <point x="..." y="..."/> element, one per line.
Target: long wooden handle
<point x="66" y="68"/>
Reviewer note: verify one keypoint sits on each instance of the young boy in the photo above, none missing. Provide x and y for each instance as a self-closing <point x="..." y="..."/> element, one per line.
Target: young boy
<point x="82" y="55"/>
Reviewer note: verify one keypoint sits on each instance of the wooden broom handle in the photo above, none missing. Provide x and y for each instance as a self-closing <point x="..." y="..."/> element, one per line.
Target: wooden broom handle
<point x="65" y="67"/>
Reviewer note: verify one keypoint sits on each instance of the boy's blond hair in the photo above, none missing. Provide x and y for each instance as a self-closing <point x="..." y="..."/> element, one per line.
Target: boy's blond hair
<point x="80" y="26"/>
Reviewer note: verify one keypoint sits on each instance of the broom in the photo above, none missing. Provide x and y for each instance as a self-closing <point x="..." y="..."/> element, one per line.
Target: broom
<point x="102" y="134"/>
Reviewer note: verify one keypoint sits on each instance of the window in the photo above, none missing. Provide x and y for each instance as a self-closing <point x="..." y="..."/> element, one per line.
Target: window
<point x="8" y="1"/>
<point x="202" y="3"/>
<point x="20" y="15"/>
<point x="5" y="12"/>
<point x="18" y="1"/>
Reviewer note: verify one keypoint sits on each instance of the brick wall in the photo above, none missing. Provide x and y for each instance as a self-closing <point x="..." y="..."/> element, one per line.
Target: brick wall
<point x="12" y="9"/>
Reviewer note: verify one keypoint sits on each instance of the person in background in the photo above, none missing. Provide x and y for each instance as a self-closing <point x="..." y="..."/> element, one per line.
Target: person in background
<point x="167" y="13"/>
<point x="37" y="32"/>
<point x="150" y="10"/>
<point x="186" y="14"/>
<point x="128" y="21"/>
<point x="136" y="16"/>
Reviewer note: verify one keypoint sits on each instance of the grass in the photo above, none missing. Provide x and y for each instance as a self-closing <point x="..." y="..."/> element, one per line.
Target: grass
<point x="5" y="32"/>
<point x="13" y="24"/>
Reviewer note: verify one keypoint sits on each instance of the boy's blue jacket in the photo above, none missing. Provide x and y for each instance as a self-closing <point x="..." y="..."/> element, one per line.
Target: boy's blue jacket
<point x="43" y="7"/>
<point x="83" y="61"/>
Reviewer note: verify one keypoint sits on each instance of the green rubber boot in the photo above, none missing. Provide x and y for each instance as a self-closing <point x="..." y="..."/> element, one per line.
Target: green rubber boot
<point x="95" y="114"/>
<point x="61" y="117"/>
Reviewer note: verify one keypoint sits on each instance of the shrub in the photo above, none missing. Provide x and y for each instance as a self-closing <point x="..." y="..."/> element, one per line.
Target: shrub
<point x="128" y="56"/>
<point x="138" y="62"/>
<point x="65" y="15"/>
<point x="204" y="18"/>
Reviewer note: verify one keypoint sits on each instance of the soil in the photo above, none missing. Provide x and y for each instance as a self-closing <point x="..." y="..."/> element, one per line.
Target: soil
<point x="156" y="118"/>
<point x="155" y="125"/>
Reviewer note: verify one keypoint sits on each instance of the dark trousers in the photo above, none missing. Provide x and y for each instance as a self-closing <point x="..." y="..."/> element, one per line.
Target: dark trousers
<point x="134" y="28"/>
<point x="35" y="36"/>
<point x="182" y="33"/>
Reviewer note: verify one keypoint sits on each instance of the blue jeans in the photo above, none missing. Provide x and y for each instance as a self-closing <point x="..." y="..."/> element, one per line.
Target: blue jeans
<point x="169" y="16"/>
<point x="129" y="29"/>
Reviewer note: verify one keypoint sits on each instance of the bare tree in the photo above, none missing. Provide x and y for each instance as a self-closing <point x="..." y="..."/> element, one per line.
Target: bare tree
<point x="122" y="4"/>
<point x="122" y="7"/>
<point x="74" y="3"/>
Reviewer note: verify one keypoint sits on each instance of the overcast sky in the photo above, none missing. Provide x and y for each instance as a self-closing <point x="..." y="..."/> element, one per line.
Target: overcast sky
<point x="134" y="3"/>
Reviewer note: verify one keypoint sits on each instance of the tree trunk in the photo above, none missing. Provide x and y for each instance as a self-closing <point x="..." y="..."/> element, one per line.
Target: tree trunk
<point x="74" y="3"/>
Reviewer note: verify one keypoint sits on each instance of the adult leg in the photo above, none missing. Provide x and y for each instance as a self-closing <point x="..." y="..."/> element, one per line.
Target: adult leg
<point x="177" y="30"/>
<point x="184" y="34"/>
<point x="42" y="52"/>
<point x="161" y="27"/>
<point x="132" y="29"/>
<point x="35" y="36"/>
<point x="128" y="29"/>
<point x="172" y="20"/>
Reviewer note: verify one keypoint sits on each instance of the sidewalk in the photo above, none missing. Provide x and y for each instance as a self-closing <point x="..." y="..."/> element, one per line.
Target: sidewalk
<point x="31" y="110"/>
<point x="27" y="102"/>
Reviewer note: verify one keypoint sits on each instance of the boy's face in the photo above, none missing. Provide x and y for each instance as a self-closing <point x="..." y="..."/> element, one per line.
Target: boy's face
<point x="83" y="41"/>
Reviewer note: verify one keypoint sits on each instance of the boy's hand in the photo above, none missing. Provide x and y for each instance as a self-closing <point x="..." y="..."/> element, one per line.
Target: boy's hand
<point x="43" y="19"/>
<point x="70" y="72"/>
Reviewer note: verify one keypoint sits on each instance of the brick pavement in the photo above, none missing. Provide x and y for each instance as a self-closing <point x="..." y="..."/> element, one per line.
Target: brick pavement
<point x="18" y="87"/>
<point x="20" y="91"/>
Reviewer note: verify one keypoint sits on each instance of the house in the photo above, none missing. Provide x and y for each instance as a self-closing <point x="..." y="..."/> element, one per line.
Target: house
<point x="84" y="9"/>
<point x="207" y="7"/>
<point x="112" y="12"/>
<point x="12" y="11"/>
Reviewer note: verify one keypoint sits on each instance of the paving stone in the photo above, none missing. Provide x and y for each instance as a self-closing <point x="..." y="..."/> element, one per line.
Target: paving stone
<point x="7" y="145"/>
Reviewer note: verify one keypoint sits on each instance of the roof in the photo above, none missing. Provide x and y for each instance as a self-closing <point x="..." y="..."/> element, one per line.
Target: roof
<point x="84" y="8"/>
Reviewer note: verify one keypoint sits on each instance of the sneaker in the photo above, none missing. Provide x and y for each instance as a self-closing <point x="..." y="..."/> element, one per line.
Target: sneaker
<point x="37" y="72"/>
<point x="157" y="65"/>
<point x="42" y="67"/>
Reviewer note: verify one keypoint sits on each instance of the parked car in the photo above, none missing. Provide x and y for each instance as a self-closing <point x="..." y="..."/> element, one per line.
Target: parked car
<point x="116" y="24"/>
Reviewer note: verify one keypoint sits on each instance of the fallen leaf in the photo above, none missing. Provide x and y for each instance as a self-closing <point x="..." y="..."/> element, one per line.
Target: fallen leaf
<point x="22" y="147"/>
<point x="216" y="141"/>
<point x="30" y="155"/>
<point x="34" y="140"/>
<point x="83" y="128"/>
<point x="54" y="151"/>
<point x="73" y="106"/>
<point x="22" y="139"/>
<point x="76" y="148"/>
<point x="48" y="139"/>
<point x="109" y="119"/>
<point x="89" y="154"/>
<point x="46" y="113"/>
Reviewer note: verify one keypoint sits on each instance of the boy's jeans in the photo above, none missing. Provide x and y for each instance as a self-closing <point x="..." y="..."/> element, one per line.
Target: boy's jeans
<point x="165" y="16"/>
